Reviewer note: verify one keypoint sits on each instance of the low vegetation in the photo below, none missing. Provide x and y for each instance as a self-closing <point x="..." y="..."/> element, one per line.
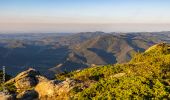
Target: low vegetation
<point x="9" y="87"/>
<point x="146" y="76"/>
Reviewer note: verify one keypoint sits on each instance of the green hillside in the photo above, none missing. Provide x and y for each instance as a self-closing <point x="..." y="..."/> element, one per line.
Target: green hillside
<point x="146" y="76"/>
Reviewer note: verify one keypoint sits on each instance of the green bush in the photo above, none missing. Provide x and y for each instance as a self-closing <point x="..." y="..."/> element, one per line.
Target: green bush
<point x="146" y="76"/>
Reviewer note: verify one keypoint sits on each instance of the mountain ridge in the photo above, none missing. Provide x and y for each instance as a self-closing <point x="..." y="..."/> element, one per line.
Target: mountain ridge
<point x="70" y="52"/>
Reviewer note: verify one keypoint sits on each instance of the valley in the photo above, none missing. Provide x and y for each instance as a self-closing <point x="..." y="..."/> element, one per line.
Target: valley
<point x="54" y="53"/>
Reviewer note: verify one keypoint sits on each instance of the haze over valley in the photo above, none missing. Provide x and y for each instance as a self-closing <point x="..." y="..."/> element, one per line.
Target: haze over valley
<point x="68" y="52"/>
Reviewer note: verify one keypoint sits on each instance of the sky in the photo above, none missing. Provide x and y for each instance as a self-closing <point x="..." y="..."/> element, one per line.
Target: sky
<point x="84" y="15"/>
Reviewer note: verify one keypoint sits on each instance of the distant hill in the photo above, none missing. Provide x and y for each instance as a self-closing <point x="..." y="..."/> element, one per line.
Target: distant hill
<point x="104" y="49"/>
<point x="68" y="52"/>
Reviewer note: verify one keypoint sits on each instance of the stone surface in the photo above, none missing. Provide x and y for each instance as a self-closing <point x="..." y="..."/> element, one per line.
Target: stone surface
<point x="28" y="95"/>
<point x="119" y="75"/>
<point x="45" y="89"/>
<point x="31" y="85"/>
<point x="52" y="90"/>
<point x="27" y="80"/>
<point x="28" y="73"/>
<point x="25" y="83"/>
<point x="4" y="96"/>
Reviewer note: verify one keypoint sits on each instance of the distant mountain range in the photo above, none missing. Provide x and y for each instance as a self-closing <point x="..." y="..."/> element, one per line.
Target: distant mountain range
<point x="68" y="52"/>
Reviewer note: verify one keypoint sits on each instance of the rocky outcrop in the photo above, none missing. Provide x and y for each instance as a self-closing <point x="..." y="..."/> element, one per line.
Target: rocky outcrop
<point x="46" y="89"/>
<point x="31" y="86"/>
<point x="52" y="90"/>
<point x="27" y="79"/>
<point x="5" y="96"/>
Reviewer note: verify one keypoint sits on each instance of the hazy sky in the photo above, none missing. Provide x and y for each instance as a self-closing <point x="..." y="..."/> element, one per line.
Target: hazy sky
<point x="84" y="15"/>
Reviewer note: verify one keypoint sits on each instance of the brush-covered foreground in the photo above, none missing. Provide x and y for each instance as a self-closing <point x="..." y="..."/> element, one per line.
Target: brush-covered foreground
<point x="146" y="76"/>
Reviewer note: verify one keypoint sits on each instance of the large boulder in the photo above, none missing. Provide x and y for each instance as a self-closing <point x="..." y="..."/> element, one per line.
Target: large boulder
<point x="46" y="89"/>
<point x="27" y="79"/>
<point x="25" y="83"/>
<point x="52" y="90"/>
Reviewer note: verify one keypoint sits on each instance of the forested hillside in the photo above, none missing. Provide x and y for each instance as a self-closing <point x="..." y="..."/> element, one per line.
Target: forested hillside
<point x="68" y="52"/>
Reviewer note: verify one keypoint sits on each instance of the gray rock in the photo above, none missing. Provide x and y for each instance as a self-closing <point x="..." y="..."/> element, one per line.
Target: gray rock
<point x="28" y="95"/>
